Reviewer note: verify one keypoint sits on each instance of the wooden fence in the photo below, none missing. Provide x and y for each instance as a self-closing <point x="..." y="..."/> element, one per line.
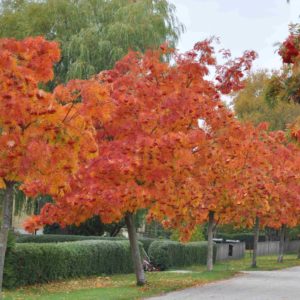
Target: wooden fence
<point x="237" y="250"/>
<point x="272" y="248"/>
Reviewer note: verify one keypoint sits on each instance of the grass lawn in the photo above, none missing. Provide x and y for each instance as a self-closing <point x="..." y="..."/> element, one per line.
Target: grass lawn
<point x="123" y="286"/>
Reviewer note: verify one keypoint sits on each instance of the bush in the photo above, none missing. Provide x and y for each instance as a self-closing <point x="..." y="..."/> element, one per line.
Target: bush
<point x="168" y="254"/>
<point x="57" y="238"/>
<point x="37" y="263"/>
<point x="243" y="237"/>
<point x="146" y="242"/>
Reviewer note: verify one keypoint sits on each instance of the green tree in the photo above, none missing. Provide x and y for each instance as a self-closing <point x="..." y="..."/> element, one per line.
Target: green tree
<point x="93" y="34"/>
<point x="251" y="104"/>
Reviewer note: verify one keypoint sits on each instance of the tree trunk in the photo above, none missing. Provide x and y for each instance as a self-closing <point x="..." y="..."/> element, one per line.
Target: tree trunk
<point x="135" y="251"/>
<point x="281" y="244"/>
<point x="255" y="242"/>
<point x="210" y="246"/>
<point x="6" y="224"/>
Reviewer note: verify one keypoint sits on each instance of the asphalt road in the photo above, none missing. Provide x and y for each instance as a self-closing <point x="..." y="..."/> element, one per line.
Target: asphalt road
<point x="254" y="285"/>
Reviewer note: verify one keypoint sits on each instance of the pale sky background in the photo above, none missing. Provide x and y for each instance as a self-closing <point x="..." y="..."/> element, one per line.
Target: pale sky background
<point x="240" y="24"/>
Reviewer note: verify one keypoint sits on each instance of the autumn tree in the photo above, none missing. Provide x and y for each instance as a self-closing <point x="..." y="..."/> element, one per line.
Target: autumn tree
<point x="274" y="98"/>
<point x="267" y="186"/>
<point x="148" y="148"/>
<point x="42" y="140"/>
<point x="92" y="35"/>
<point x="285" y="203"/>
<point x="221" y="175"/>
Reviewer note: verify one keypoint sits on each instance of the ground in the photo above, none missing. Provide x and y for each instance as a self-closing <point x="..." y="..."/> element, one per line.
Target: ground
<point x="122" y="287"/>
<point x="258" y="285"/>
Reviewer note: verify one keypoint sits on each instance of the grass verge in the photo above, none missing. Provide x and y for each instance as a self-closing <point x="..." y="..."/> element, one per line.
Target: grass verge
<point x="122" y="287"/>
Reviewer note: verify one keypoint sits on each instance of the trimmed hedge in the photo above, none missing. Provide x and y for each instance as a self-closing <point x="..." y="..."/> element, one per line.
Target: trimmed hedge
<point x="168" y="254"/>
<point x="37" y="263"/>
<point x="57" y="238"/>
<point x="147" y="242"/>
<point x="243" y="237"/>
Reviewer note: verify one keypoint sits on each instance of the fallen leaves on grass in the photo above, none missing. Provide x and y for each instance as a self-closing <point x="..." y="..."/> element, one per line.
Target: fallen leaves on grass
<point x="69" y="285"/>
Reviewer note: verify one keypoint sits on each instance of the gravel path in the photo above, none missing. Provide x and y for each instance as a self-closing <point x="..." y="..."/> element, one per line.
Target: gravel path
<point x="253" y="285"/>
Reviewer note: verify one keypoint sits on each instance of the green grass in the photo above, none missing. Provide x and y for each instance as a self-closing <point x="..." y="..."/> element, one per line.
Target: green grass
<point x="122" y="287"/>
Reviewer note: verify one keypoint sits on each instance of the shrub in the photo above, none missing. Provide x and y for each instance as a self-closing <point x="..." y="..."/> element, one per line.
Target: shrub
<point x="168" y="254"/>
<point x="37" y="263"/>
<point x="147" y="242"/>
<point x="57" y="238"/>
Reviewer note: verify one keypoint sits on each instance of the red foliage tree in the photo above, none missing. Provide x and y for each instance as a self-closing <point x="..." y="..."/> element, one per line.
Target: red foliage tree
<point x="41" y="140"/>
<point x="149" y="145"/>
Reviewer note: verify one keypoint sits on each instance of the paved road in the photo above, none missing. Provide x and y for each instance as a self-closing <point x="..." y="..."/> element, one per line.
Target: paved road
<point x="254" y="285"/>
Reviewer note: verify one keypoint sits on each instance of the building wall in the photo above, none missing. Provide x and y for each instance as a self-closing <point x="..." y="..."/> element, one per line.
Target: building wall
<point x="230" y="251"/>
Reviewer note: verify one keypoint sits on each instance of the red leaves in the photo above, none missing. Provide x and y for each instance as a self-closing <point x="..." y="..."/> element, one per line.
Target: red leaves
<point x="289" y="50"/>
<point x="37" y="146"/>
<point x="230" y="75"/>
<point x="154" y="153"/>
<point x="34" y="56"/>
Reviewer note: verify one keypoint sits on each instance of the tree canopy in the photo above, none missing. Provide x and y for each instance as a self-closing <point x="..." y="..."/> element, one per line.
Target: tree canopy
<point x="250" y="104"/>
<point x="42" y="139"/>
<point x="93" y="34"/>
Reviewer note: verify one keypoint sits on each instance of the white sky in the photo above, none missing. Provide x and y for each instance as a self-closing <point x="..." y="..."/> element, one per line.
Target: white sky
<point x="240" y="24"/>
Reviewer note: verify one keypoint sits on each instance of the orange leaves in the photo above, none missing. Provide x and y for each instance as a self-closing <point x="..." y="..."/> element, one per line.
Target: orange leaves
<point x="32" y="56"/>
<point x="42" y="141"/>
<point x="151" y="151"/>
<point x="165" y="142"/>
<point x="295" y="130"/>
<point x="32" y="224"/>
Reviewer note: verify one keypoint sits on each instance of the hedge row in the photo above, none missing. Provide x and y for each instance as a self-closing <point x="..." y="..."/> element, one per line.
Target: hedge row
<point x="56" y="238"/>
<point x="37" y="263"/>
<point x="243" y="237"/>
<point x="169" y="254"/>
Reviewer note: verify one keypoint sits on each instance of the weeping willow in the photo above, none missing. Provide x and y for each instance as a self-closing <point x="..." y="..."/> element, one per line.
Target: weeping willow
<point x="93" y="34"/>
<point x="23" y="205"/>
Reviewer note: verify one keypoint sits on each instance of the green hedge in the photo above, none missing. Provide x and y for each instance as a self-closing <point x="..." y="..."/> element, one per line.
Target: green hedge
<point x="147" y="242"/>
<point x="168" y="254"/>
<point x="243" y="237"/>
<point x="57" y="238"/>
<point x="37" y="263"/>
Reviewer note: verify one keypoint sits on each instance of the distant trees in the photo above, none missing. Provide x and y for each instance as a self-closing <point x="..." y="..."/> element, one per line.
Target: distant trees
<point x="251" y="105"/>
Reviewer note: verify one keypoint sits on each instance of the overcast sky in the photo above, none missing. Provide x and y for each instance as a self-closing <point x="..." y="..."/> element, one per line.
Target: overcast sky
<point x="240" y="25"/>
